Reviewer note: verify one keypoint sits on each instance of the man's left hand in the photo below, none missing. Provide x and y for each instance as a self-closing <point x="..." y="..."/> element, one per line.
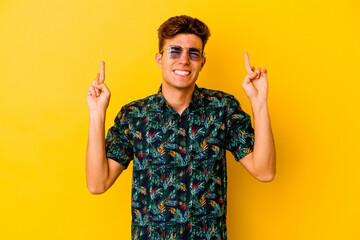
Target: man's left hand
<point x="255" y="83"/>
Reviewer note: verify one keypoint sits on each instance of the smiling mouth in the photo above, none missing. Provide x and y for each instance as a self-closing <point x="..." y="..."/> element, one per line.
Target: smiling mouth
<point x="182" y="73"/>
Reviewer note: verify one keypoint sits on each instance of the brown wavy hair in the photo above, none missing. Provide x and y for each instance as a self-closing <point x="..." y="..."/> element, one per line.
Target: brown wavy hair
<point x="182" y="24"/>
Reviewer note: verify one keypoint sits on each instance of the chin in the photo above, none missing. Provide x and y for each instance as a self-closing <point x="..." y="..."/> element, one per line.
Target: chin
<point x="181" y="85"/>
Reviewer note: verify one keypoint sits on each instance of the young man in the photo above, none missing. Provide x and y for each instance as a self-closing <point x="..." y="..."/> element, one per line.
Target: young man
<point x="177" y="140"/>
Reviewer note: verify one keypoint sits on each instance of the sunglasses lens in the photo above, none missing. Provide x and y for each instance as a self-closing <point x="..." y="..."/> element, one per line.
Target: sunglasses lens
<point x="175" y="52"/>
<point x="194" y="54"/>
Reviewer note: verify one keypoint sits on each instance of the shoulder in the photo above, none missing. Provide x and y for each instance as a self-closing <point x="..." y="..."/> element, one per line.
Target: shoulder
<point x="219" y="98"/>
<point x="147" y="102"/>
<point x="138" y="107"/>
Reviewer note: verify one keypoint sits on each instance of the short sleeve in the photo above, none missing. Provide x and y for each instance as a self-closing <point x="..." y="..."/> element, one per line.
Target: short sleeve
<point x="117" y="143"/>
<point x="239" y="132"/>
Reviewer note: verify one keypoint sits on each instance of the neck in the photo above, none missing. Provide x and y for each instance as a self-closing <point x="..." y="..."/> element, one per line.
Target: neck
<point x="178" y="99"/>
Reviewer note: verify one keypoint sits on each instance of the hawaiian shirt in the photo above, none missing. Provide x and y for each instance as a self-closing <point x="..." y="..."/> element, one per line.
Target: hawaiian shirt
<point x="179" y="166"/>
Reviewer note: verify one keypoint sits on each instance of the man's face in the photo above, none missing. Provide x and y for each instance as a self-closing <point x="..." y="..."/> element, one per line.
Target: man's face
<point x="180" y="73"/>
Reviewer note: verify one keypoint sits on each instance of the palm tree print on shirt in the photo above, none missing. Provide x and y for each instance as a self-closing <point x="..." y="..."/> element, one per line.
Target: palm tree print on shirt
<point x="179" y="165"/>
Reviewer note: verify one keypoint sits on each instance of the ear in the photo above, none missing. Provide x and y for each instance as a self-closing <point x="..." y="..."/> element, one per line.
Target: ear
<point x="203" y="61"/>
<point x="158" y="58"/>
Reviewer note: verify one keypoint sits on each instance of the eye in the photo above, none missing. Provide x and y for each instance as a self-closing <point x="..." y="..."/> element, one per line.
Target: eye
<point x="175" y="49"/>
<point x="194" y="52"/>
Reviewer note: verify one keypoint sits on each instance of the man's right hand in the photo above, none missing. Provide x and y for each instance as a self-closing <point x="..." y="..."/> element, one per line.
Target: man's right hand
<point x="98" y="95"/>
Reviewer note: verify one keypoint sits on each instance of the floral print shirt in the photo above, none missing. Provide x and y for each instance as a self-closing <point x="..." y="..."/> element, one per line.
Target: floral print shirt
<point x="179" y="166"/>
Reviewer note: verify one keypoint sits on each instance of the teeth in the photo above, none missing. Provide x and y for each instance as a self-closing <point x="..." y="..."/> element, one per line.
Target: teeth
<point x="184" y="73"/>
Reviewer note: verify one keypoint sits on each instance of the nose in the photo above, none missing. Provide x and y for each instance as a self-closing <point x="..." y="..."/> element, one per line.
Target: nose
<point x="184" y="58"/>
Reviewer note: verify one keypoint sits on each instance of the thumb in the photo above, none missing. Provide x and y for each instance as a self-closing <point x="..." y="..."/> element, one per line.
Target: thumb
<point x="103" y="88"/>
<point x="249" y="77"/>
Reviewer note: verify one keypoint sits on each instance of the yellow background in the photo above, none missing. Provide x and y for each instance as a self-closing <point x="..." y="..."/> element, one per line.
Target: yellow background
<point x="50" y="52"/>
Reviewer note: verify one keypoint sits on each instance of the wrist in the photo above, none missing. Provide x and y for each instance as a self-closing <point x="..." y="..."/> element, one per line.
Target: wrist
<point x="259" y="106"/>
<point x="97" y="115"/>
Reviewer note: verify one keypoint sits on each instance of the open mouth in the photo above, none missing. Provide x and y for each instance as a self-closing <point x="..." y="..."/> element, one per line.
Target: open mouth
<point x="182" y="73"/>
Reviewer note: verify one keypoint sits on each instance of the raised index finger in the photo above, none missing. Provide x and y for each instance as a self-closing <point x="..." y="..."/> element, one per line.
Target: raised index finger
<point x="102" y="72"/>
<point x="247" y="63"/>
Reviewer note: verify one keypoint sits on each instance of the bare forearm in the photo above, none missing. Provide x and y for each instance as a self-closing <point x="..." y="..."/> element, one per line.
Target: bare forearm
<point x="264" y="147"/>
<point x="97" y="169"/>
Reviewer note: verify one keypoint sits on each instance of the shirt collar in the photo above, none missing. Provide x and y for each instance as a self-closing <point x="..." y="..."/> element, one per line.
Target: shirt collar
<point x="196" y="97"/>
